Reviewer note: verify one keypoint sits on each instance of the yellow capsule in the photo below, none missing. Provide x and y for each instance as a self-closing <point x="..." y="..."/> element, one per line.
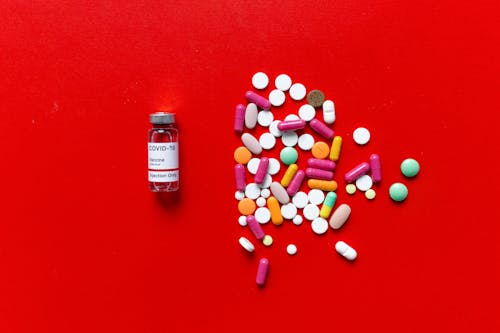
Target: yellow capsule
<point x="290" y="172"/>
<point x="335" y="150"/>
<point x="324" y="185"/>
<point x="274" y="208"/>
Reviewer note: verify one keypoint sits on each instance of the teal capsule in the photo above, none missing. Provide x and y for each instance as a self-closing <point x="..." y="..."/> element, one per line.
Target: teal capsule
<point x="328" y="204"/>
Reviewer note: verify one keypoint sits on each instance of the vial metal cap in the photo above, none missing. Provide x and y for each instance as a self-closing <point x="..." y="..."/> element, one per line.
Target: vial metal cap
<point x="159" y="118"/>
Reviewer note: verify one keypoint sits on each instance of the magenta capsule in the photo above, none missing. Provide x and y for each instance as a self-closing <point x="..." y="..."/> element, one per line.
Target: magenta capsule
<point x="255" y="227"/>
<point x="261" y="170"/>
<point x="322" y="129"/>
<point x="295" y="183"/>
<point x="375" y="168"/>
<point x="262" y="272"/>
<point x="319" y="174"/>
<point x="239" y="173"/>
<point x="260" y="101"/>
<point x="321" y="164"/>
<point x="291" y="125"/>
<point x="356" y="172"/>
<point x="239" y="118"/>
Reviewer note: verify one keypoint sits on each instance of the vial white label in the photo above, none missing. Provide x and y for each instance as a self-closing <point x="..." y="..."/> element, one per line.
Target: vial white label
<point x="163" y="176"/>
<point x="163" y="161"/>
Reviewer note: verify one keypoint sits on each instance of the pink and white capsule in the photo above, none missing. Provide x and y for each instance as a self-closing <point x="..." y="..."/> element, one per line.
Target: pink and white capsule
<point x="261" y="170"/>
<point x="262" y="270"/>
<point x="375" y="168"/>
<point x="291" y="125"/>
<point x="321" y="164"/>
<point x="239" y="118"/>
<point x="295" y="183"/>
<point x="239" y="173"/>
<point x="258" y="100"/>
<point x="356" y="172"/>
<point x="319" y="174"/>
<point x="255" y="227"/>
<point x="322" y="129"/>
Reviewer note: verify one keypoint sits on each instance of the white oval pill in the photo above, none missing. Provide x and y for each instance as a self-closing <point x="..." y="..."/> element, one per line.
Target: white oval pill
<point x="246" y="244"/>
<point x="239" y="195"/>
<point x="260" y="80"/>
<point x="283" y="82"/>
<point x="277" y="97"/>
<point x="251" y="143"/>
<point x="267" y="140"/>
<point x="261" y="202"/>
<point x="279" y="193"/>
<point x="306" y="142"/>
<point x="274" y="166"/>
<point x="291" y="249"/>
<point x="364" y="183"/>
<point x="307" y="112"/>
<point x="265" y="118"/>
<point x="316" y="196"/>
<point x="252" y="191"/>
<point x="251" y="115"/>
<point x="297" y="91"/>
<point x="288" y="211"/>
<point x="289" y="138"/>
<point x="273" y="128"/>
<point x="262" y="215"/>
<point x="311" y="211"/>
<point x="328" y="112"/>
<point x="319" y="225"/>
<point x="265" y="193"/>
<point x="345" y="250"/>
<point x="253" y="165"/>
<point x="297" y="220"/>
<point x="291" y="116"/>
<point x="361" y="135"/>
<point x="300" y="199"/>
<point x="242" y="220"/>
<point x="266" y="182"/>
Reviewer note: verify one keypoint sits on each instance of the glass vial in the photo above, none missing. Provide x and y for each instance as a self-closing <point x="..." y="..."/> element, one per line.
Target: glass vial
<point x="163" y="153"/>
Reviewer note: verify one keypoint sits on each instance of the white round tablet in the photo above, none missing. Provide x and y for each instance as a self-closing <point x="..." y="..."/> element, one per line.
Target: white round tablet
<point x="361" y="135"/>
<point x="252" y="191"/>
<point x="246" y="244"/>
<point x="260" y="80"/>
<point x="319" y="225"/>
<point x="316" y="196"/>
<point x="239" y="195"/>
<point x="297" y="220"/>
<point x="306" y="141"/>
<point x="289" y="138"/>
<point x="300" y="199"/>
<point x="283" y="82"/>
<point x="291" y="116"/>
<point x="307" y="112"/>
<point x="242" y="220"/>
<point x="265" y="118"/>
<point x="311" y="212"/>
<point x="288" y="211"/>
<point x="267" y="140"/>
<point x="291" y="249"/>
<point x="274" y="166"/>
<point x="266" y="183"/>
<point x="265" y="193"/>
<point x="364" y="183"/>
<point x="297" y="91"/>
<point x="253" y="165"/>
<point x="277" y="97"/>
<point x="261" y="202"/>
<point x="273" y="128"/>
<point x="262" y="215"/>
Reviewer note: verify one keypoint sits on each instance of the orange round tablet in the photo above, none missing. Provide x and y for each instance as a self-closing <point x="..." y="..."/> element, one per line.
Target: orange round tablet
<point x="246" y="206"/>
<point x="242" y="155"/>
<point x="320" y="150"/>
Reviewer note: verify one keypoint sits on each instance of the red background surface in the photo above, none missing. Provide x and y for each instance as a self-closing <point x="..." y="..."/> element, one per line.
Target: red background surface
<point x="85" y="247"/>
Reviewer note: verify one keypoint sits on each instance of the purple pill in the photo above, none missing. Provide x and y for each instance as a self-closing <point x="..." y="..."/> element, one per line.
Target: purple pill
<point x="239" y="118"/>
<point x="258" y="100"/>
<point x="295" y="183"/>
<point x="291" y="125"/>
<point x="239" y="173"/>
<point x="255" y="227"/>
<point x="321" y="164"/>
<point x="375" y="168"/>
<point x="262" y="272"/>
<point x="261" y="170"/>
<point x="319" y="174"/>
<point x="356" y="172"/>
<point x="322" y="129"/>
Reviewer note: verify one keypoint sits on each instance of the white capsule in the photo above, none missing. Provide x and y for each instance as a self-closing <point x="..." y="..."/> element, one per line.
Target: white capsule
<point x="345" y="250"/>
<point x="328" y="112"/>
<point x="246" y="244"/>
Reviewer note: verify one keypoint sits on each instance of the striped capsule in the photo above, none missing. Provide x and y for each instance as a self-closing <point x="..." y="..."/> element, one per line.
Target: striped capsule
<point x="291" y="125"/>
<point x="356" y="172"/>
<point x="275" y="210"/>
<point x="289" y="173"/>
<point x="320" y="164"/>
<point x="328" y="204"/>
<point x="239" y="173"/>
<point x="294" y="185"/>
<point x="375" y="168"/>
<point x="319" y="174"/>
<point x="335" y="149"/>
<point x="324" y="185"/>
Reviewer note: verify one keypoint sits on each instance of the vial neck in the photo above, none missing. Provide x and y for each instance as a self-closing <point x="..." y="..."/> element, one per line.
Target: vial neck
<point x="162" y="125"/>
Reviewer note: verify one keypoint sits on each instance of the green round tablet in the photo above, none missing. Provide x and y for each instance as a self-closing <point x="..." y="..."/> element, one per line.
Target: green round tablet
<point x="288" y="155"/>
<point x="398" y="192"/>
<point x="410" y="167"/>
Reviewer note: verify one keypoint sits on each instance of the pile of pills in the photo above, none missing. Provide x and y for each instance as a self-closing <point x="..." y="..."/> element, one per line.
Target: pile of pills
<point x="266" y="199"/>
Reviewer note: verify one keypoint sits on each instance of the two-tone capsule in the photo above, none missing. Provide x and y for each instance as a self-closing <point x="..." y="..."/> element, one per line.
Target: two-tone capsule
<point x="328" y="204"/>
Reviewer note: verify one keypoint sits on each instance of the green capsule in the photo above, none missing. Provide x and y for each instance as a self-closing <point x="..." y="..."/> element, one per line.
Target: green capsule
<point x="328" y="204"/>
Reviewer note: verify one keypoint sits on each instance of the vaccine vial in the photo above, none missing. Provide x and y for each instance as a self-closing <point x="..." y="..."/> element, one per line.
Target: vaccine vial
<point x="163" y="153"/>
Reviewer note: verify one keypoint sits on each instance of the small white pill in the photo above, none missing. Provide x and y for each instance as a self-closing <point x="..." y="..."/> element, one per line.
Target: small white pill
<point x="265" y="118"/>
<point x="291" y="116"/>
<point x="288" y="211"/>
<point x="345" y="250"/>
<point x="291" y="249"/>
<point x="306" y="142"/>
<point x="253" y="165"/>
<point x="261" y="202"/>
<point x="297" y="220"/>
<point x="364" y="183"/>
<point x="316" y="196"/>
<point x="239" y="195"/>
<point x="300" y="199"/>
<point x="307" y="112"/>
<point x="274" y="166"/>
<point x="328" y="112"/>
<point x="319" y="225"/>
<point x="289" y="138"/>
<point x="311" y="211"/>
<point x="265" y="193"/>
<point x="252" y="191"/>
<point x="361" y="135"/>
<point x="266" y="182"/>
<point x="242" y="220"/>
<point x="283" y="82"/>
<point x="277" y="97"/>
<point x="260" y="80"/>
<point x="273" y="128"/>
<point x="267" y="140"/>
<point x="262" y="215"/>
<point x="246" y="244"/>
<point x="297" y="91"/>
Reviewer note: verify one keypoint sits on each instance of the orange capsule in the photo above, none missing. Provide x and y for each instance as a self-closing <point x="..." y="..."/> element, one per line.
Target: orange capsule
<point x="274" y="208"/>
<point x="324" y="185"/>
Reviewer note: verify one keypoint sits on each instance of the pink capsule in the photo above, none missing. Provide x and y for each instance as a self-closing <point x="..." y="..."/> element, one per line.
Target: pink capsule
<point x="319" y="174"/>
<point x="260" y="101"/>
<point x="239" y="173"/>
<point x="239" y="118"/>
<point x="356" y="172"/>
<point x="261" y="170"/>
<point x="375" y="168"/>
<point x="321" y="164"/>
<point x="291" y="125"/>
<point x="255" y="227"/>
<point x="322" y="129"/>
<point x="262" y="272"/>
<point x="295" y="183"/>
